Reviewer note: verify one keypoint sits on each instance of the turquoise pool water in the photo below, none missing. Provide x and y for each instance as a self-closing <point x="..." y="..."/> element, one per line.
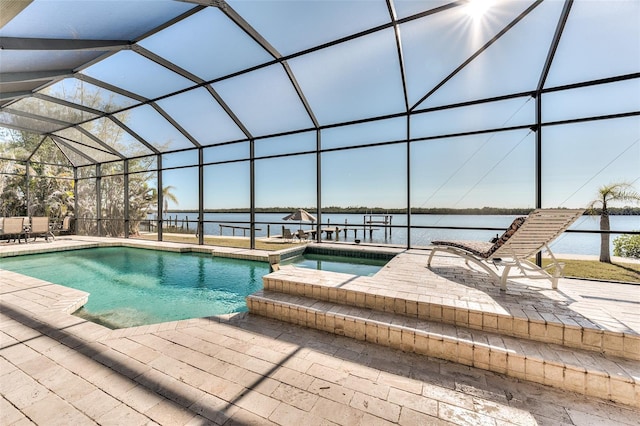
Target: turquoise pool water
<point x="347" y="265"/>
<point x="131" y="287"/>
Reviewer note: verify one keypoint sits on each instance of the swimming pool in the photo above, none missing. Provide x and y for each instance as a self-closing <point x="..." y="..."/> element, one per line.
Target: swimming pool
<point x="130" y="286"/>
<point x="348" y="265"/>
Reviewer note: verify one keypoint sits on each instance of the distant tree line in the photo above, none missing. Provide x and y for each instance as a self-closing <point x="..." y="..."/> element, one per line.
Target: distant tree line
<point x="415" y="210"/>
<point x="621" y="211"/>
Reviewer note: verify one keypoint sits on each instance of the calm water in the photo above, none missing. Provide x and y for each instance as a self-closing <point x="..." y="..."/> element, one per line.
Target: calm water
<point x="567" y="243"/>
<point x="131" y="287"/>
<point x="351" y="265"/>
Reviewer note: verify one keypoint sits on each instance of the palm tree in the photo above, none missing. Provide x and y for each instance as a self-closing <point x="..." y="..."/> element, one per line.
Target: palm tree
<point x="619" y="191"/>
<point x="168" y="195"/>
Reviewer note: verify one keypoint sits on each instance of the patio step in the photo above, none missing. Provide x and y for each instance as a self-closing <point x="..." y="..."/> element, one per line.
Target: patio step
<point x="364" y="292"/>
<point x="583" y="371"/>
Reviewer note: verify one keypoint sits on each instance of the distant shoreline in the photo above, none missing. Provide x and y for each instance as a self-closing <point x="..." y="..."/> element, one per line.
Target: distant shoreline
<point x="614" y="211"/>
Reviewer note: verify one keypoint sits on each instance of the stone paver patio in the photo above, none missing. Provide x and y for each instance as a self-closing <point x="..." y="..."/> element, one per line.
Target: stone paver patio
<point x="242" y="369"/>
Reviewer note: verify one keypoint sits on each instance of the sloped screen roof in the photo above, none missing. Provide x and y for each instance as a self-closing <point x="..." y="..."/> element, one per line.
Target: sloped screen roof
<point x="172" y="75"/>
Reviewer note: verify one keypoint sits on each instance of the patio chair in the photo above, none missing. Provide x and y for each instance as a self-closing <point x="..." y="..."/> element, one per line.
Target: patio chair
<point x="287" y="235"/>
<point x="13" y="228"/>
<point x="302" y="236"/>
<point x="65" y="226"/>
<point x="523" y="239"/>
<point x="40" y="227"/>
<point x="25" y="221"/>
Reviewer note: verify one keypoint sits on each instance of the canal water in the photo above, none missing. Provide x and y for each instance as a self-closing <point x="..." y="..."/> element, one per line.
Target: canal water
<point x="570" y="243"/>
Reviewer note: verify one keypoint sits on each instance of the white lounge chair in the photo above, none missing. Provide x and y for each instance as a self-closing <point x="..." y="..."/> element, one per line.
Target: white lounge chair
<point x="525" y="238"/>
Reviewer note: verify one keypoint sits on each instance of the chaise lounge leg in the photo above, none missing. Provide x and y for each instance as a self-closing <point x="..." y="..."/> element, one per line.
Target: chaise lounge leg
<point x="503" y="278"/>
<point x="433" y="251"/>
<point x="554" y="282"/>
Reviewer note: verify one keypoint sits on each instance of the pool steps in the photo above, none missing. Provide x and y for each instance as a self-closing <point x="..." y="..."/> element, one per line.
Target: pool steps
<point x="592" y="362"/>
<point x="566" y="354"/>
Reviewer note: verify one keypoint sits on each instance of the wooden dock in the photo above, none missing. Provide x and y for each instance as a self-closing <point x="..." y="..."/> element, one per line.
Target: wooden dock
<point x="370" y="223"/>
<point x="333" y="232"/>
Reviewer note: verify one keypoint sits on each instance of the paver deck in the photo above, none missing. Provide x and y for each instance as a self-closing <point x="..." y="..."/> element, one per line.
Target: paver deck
<point x="56" y="368"/>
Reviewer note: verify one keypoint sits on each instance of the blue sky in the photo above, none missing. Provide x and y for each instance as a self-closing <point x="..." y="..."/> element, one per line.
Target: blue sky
<point x="361" y="78"/>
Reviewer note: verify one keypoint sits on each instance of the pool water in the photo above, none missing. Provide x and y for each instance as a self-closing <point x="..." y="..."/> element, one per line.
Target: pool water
<point x="347" y="265"/>
<point x="130" y="287"/>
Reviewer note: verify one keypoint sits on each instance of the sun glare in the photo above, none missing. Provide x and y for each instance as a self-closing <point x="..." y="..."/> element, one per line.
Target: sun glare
<point x="477" y="8"/>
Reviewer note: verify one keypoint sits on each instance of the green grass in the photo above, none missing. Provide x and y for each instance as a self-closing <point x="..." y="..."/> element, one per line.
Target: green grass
<point x="593" y="269"/>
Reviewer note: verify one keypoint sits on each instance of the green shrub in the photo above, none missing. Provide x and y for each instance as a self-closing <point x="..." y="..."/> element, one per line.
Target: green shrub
<point x="627" y="246"/>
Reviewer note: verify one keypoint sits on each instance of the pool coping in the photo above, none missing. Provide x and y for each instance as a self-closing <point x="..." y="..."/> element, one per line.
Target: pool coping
<point x="79" y="243"/>
<point x="273" y="258"/>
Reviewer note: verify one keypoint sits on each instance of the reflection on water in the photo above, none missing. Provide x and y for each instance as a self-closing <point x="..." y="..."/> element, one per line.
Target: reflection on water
<point x="567" y="243"/>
